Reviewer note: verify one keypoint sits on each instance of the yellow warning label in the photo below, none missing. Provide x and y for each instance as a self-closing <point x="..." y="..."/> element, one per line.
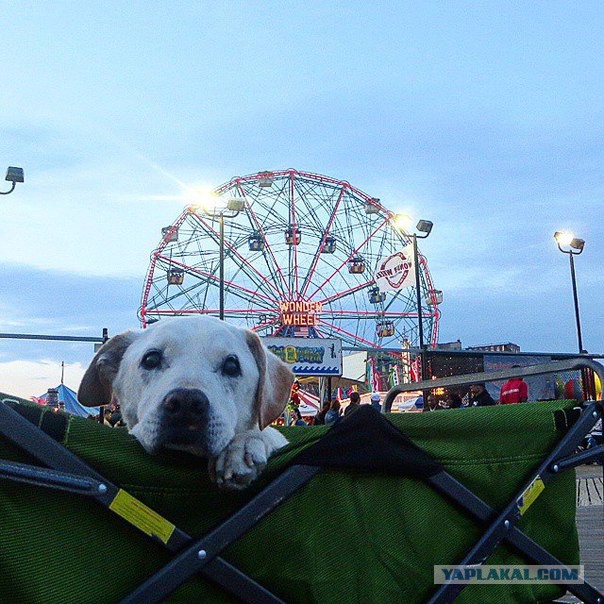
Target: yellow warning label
<point x="526" y="500"/>
<point x="141" y="516"/>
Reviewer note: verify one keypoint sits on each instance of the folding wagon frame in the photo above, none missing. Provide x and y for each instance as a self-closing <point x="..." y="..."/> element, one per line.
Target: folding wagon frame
<point x="67" y="472"/>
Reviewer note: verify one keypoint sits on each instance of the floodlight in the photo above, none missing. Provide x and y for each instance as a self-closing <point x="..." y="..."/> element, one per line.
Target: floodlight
<point x="563" y="237"/>
<point x="424" y="226"/>
<point x="402" y="221"/>
<point x="14" y="174"/>
<point x="235" y="204"/>
<point x="567" y="244"/>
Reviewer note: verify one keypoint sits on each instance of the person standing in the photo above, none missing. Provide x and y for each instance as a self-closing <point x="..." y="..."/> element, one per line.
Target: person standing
<point x="515" y="390"/>
<point x="355" y="403"/>
<point x="376" y="402"/>
<point x="320" y="417"/>
<point x="479" y="397"/>
<point x="333" y="415"/>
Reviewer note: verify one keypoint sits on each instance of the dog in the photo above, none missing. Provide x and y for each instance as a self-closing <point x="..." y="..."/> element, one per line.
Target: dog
<point x="197" y="384"/>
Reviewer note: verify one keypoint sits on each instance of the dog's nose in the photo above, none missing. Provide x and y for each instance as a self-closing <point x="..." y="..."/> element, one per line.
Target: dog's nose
<point x="185" y="404"/>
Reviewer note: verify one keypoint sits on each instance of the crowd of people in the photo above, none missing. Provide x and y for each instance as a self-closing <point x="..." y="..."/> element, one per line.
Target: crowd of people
<point x="513" y="391"/>
<point x="331" y="412"/>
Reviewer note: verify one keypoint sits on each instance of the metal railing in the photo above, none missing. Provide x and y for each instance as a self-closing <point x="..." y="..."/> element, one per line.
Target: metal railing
<point x="493" y="376"/>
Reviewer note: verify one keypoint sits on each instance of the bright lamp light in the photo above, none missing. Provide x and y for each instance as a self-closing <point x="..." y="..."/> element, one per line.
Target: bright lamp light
<point x="403" y="222"/>
<point x="564" y="237"/>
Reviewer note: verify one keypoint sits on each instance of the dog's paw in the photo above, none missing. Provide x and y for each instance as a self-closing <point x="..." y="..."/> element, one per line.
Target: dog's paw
<point x="244" y="458"/>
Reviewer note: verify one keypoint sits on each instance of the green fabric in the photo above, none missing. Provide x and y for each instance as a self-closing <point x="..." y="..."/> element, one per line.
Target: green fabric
<point x="344" y="537"/>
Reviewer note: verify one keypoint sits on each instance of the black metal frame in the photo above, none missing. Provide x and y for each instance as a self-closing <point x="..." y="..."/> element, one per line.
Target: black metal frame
<point x="502" y="525"/>
<point x="69" y="473"/>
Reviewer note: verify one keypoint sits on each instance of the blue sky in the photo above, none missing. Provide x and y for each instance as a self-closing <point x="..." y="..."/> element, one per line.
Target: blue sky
<point x="484" y="117"/>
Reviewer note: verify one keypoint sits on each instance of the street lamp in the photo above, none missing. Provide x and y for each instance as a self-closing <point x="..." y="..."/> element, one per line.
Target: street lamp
<point x="573" y="246"/>
<point x="403" y="221"/>
<point x="13" y="175"/>
<point x="232" y="209"/>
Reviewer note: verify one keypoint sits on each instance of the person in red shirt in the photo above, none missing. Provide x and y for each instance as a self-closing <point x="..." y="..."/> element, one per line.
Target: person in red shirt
<point x="515" y="390"/>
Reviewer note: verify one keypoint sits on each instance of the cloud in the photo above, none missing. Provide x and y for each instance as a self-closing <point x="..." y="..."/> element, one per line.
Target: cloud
<point x="33" y="378"/>
<point x="58" y="301"/>
<point x="59" y="304"/>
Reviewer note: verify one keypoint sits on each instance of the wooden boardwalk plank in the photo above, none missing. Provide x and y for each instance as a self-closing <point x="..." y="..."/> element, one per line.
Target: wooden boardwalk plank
<point x="590" y="526"/>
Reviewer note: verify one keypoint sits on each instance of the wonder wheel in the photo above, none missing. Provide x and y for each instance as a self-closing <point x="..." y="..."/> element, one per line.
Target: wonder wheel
<point x="299" y="255"/>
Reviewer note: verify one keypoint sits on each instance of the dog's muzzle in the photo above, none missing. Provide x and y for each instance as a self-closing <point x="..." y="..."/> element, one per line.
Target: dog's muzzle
<point x="184" y="417"/>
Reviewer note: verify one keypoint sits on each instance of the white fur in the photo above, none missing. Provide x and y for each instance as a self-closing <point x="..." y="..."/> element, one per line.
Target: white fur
<point x="193" y="350"/>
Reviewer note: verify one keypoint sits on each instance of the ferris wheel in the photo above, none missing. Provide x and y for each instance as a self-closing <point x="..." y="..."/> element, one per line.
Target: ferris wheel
<point x="291" y="254"/>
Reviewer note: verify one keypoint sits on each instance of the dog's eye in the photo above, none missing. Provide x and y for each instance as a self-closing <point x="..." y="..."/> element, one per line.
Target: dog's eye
<point x="151" y="360"/>
<point x="231" y="366"/>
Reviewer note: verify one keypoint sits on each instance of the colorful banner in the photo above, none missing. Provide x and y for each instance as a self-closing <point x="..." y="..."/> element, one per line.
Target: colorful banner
<point x="373" y="377"/>
<point x="308" y="356"/>
<point x="416" y="369"/>
<point x="393" y="376"/>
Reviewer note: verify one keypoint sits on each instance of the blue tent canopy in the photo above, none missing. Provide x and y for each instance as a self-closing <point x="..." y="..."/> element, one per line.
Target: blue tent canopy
<point x="70" y="400"/>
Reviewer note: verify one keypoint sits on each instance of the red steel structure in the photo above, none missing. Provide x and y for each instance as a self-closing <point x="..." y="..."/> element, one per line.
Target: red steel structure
<point x="299" y="260"/>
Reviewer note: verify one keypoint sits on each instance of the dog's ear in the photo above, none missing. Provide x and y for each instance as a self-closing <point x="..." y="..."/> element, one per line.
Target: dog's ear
<point x="96" y="387"/>
<point x="274" y="385"/>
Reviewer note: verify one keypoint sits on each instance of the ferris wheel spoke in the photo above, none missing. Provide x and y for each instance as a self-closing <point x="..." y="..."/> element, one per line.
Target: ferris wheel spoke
<point x="247" y="294"/>
<point x="253" y="273"/>
<point x="186" y="292"/>
<point x="353" y="337"/>
<point x="348" y="292"/>
<point x="294" y="223"/>
<point x="256" y="225"/>
<point x="211" y="278"/>
<point x="239" y="270"/>
<point x="248" y="299"/>
<point x="355" y="251"/>
<point x="311" y="271"/>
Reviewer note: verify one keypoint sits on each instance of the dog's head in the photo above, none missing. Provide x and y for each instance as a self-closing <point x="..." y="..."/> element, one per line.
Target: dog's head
<point x="189" y="383"/>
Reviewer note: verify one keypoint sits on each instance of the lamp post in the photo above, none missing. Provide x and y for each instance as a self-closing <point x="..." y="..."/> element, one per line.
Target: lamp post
<point x="423" y="226"/>
<point x="573" y="246"/>
<point x="232" y="209"/>
<point x="13" y="175"/>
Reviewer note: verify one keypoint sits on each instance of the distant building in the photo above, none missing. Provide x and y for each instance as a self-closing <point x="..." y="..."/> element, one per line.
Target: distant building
<point x="449" y="345"/>
<point x="508" y="347"/>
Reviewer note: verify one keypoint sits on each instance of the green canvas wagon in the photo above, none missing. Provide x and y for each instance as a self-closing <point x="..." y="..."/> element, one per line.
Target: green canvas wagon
<point x="361" y="512"/>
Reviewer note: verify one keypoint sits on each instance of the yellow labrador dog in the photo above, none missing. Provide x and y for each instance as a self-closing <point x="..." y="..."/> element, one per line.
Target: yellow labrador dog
<point x="197" y="384"/>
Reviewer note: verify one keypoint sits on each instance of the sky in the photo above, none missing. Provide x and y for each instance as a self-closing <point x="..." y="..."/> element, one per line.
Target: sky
<point x="484" y="117"/>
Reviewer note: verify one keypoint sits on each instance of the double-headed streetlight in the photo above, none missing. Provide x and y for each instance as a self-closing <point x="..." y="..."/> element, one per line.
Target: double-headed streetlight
<point x="13" y="175"/>
<point x="403" y="222"/>
<point x="573" y="246"/>
<point x="231" y="210"/>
